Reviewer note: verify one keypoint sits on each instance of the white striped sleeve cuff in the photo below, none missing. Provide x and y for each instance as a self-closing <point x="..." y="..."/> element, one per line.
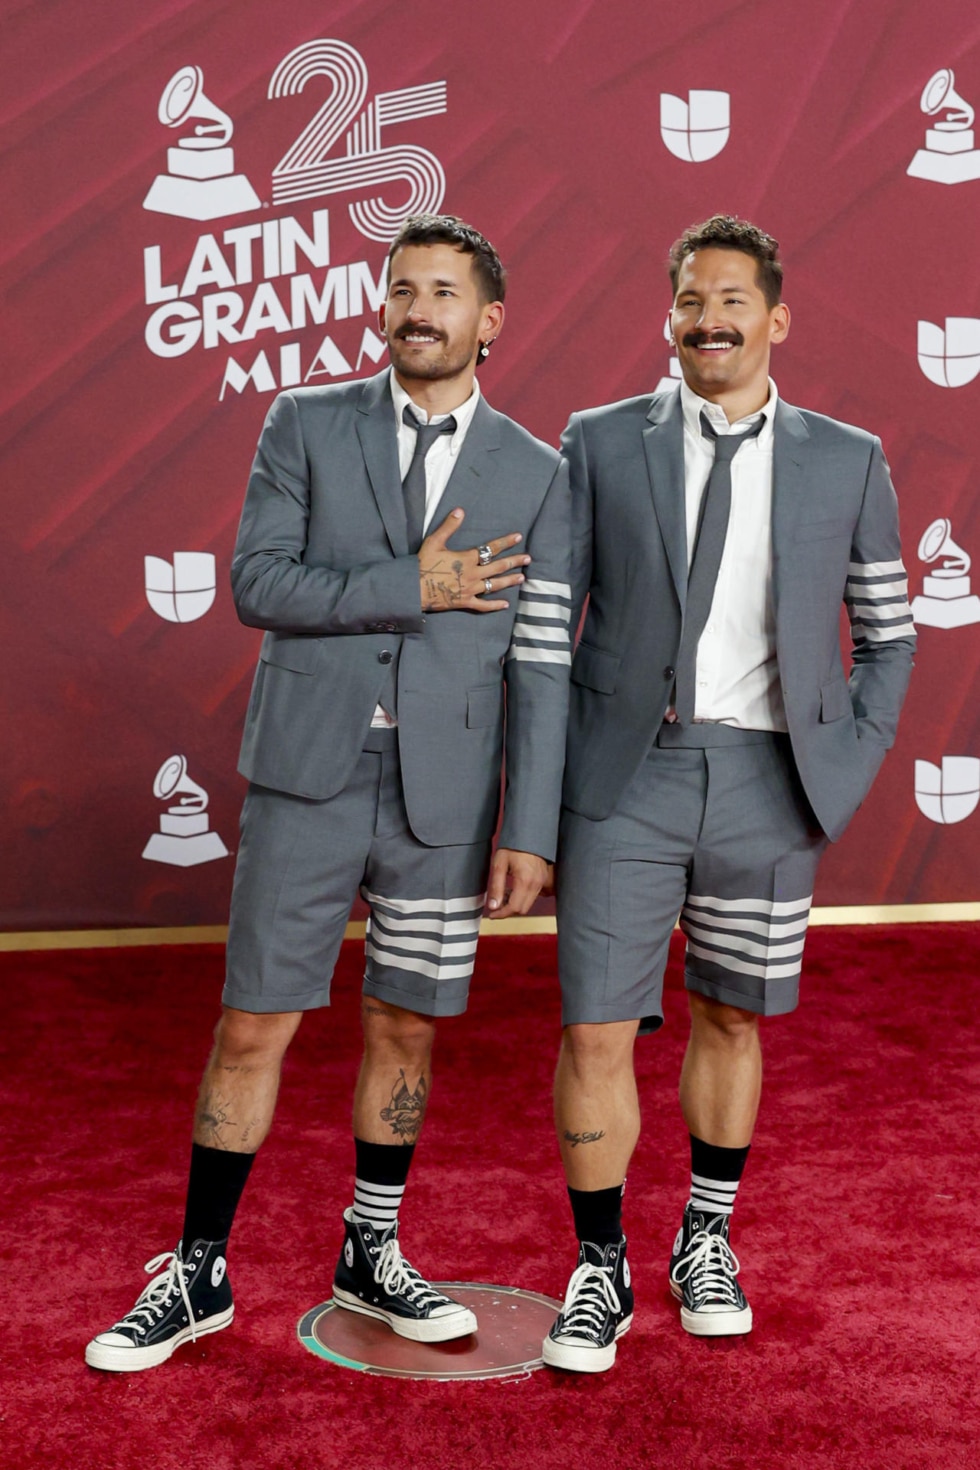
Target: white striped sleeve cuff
<point x="877" y="598"/>
<point x="541" y="632"/>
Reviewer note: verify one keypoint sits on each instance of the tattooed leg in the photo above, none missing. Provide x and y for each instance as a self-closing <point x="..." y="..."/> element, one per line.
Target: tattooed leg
<point x="240" y="1083"/>
<point x="597" y="1111"/>
<point x="396" y="1074"/>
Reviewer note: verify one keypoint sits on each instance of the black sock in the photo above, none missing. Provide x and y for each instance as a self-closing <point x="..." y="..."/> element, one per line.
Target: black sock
<point x="715" y="1174"/>
<point x="598" y="1214"/>
<point x="213" y="1191"/>
<point x="383" y="1163"/>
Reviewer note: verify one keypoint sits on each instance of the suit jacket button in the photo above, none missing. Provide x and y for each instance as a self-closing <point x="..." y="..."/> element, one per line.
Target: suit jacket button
<point x="385" y="656"/>
<point x="669" y="672"/>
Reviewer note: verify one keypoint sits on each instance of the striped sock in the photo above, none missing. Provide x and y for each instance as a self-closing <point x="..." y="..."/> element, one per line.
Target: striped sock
<point x="715" y="1176"/>
<point x="377" y="1203"/>
<point x="381" y="1172"/>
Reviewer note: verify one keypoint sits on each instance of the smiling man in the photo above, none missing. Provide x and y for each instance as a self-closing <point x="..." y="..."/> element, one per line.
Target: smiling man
<point x="715" y="745"/>
<point x="373" y="746"/>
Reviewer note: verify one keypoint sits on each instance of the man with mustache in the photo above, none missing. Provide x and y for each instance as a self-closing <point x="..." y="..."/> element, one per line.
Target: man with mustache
<point x="405" y="548"/>
<point x="714" y="748"/>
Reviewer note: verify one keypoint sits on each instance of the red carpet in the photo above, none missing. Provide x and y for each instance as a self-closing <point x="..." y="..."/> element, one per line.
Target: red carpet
<point x="857" y="1227"/>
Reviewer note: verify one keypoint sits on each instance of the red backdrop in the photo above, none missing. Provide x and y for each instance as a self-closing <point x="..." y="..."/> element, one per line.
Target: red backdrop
<point x="129" y="419"/>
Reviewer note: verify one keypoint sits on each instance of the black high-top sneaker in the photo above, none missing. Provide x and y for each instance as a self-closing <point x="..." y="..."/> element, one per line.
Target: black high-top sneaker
<point x="703" y="1268"/>
<point x="598" y="1309"/>
<point x="188" y="1299"/>
<point x="373" y="1278"/>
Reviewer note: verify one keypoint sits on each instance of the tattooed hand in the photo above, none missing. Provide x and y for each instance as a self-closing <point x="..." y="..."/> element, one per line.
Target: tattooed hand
<point x="451" y="580"/>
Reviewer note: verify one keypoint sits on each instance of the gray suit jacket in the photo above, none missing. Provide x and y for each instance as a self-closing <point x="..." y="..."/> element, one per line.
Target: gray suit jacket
<point x="322" y="563"/>
<point x="834" y="539"/>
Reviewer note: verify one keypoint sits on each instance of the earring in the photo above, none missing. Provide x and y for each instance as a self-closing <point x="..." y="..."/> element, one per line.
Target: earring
<point x="484" y="351"/>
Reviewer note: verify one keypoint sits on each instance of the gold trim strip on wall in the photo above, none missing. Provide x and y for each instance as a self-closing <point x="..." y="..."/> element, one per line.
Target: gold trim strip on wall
<point x="900" y="913"/>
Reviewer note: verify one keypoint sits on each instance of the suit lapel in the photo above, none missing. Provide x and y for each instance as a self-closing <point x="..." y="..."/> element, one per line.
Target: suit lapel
<point x="476" y="463"/>
<point x="790" y="456"/>
<point x="377" y="432"/>
<point x="663" y="445"/>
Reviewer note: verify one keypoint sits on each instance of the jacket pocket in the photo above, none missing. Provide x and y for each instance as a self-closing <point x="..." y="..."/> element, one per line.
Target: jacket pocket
<point x="594" y="669"/>
<point x="835" y="702"/>
<point x="290" y="652"/>
<point x="484" y="706"/>
<point x="824" y="530"/>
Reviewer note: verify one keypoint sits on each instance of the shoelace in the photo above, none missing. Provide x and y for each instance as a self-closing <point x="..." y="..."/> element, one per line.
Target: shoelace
<point x="712" y="1267"/>
<point x="395" y="1276"/>
<point x="590" y="1294"/>
<point x="158" y="1294"/>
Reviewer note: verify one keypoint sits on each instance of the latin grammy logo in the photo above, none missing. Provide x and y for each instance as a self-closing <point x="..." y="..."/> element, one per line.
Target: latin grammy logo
<point x="949" y="156"/>
<point x="184" y="838"/>
<point x="697" y="129"/>
<point x="183" y="590"/>
<point x="946" y="600"/>
<point x="949" y="356"/>
<point x="200" y="182"/>
<point x="673" y="378"/>
<point x="948" y="793"/>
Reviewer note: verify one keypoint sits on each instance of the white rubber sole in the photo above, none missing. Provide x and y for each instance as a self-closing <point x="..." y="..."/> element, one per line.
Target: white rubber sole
<point x="714" y="1324"/>
<point x="423" y="1329"/>
<point x="576" y="1359"/>
<point x="114" y="1359"/>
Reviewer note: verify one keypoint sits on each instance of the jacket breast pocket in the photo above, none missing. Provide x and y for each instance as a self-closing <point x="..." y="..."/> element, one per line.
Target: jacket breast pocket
<point x="595" y="669"/>
<point x="484" y="706"/>
<point x="835" y="702"/>
<point x="839" y="526"/>
<point x="299" y="654"/>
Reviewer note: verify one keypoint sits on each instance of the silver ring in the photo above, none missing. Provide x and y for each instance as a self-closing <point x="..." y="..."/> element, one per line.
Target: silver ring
<point x="484" y="555"/>
<point x="488" y="585"/>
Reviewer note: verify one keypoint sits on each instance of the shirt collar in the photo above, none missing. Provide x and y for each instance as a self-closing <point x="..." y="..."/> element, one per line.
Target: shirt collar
<point x="463" y="415"/>
<point x="694" y="405"/>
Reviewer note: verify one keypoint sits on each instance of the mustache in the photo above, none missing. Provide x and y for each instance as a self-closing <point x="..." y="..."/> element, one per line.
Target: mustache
<point x="698" y="339"/>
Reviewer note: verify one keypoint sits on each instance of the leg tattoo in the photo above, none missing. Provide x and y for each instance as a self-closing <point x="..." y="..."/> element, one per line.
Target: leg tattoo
<point x="211" y="1119"/>
<point x="406" y="1111"/>
<point x="576" y="1138"/>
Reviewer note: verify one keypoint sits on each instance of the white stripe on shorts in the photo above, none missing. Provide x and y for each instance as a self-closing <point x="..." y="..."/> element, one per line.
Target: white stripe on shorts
<point x="419" y="935"/>
<point x="717" y="930"/>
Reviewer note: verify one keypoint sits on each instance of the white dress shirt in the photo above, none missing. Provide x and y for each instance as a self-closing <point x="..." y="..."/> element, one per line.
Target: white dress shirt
<point x="439" y="464"/>
<point x="736" y="678"/>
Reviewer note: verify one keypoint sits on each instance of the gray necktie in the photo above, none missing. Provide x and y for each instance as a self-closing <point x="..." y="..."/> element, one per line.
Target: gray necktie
<point x="716" y="504"/>
<point x="413" y="484"/>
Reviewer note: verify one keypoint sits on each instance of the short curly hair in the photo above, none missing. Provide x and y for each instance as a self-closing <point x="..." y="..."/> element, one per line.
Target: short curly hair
<point x="448" y="229"/>
<point x="728" y="232"/>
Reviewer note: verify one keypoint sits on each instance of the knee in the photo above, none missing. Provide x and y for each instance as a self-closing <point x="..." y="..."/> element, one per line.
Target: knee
<point x="390" y="1029"/>
<point x="722" y="1025"/>
<point x="599" y="1048"/>
<point x="243" y="1039"/>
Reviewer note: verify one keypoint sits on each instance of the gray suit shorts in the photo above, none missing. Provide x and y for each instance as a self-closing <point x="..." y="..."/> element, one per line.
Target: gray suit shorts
<point x="715" y="831"/>
<point x="302" y="863"/>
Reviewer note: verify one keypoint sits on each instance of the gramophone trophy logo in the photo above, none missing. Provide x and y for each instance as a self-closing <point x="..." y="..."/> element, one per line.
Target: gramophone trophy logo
<point x="200" y="182"/>
<point x="949" y="156"/>
<point x="946" y="600"/>
<point x="184" y="838"/>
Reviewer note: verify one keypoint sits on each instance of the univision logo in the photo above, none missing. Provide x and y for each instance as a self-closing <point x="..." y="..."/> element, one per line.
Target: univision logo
<point x="697" y="129"/>
<point x="181" y="591"/>
<point x="948" y="793"/>
<point x="950" y="357"/>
